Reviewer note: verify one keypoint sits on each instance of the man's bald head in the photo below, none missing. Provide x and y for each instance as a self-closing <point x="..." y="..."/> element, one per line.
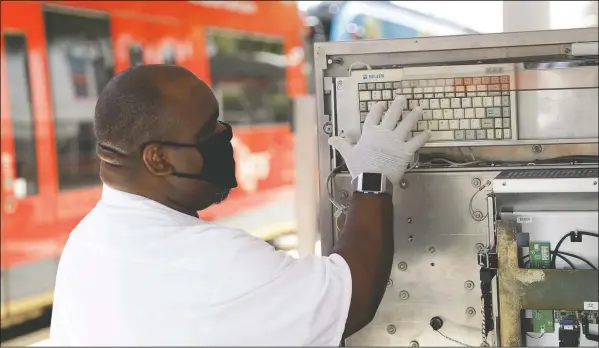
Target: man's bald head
<point x="139" y="105"/>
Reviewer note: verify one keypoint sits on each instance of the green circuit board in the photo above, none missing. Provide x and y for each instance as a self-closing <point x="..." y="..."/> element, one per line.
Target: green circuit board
<point x="540" y="258"/>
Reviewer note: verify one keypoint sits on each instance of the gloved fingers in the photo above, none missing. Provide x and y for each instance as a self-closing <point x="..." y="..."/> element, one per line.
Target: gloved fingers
<point x="376" y="114"/>
<point x="418" y="141"/>
<point x="408" y="122"/>
<point x="341" y="145"/>
<point x="393" y="114"/>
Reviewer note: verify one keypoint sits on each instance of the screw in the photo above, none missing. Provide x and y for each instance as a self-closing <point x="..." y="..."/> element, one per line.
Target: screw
<point x="328" y="128"/>
<point x="339" y="84"/>
<point x="389" y="283"/>
<point x="503" y="183"/>
<point x="567" y="50"/>
<point x="478" y="215"/>
<point x="404" y="295"/>
<point x="402" y="266"/>
<point x="391" y="329"/>
<point x="410" y="238"/>
<point x="403" y="184"/>
<point x="479" y="246"/>
<point x="469" y="285"/>
<point x="344" y="195"/>
<point x="329" y="61"/>
<point x="470" y="311"/>
<point x="431" y="249"/>
<point x="476" y="182"/>
<point x="537" y="148"/>
<point x="414" y="344"/>
<point x="410" y="219"/>
<point x="594" y="183"/>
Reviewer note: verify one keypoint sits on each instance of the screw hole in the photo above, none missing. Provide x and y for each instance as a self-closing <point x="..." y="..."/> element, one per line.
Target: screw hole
<point x="432" y="264"/>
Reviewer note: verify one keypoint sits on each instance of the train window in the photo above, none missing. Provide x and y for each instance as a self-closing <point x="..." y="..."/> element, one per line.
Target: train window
<point x="248" y="74"/>
<point x="81" y="63"/>
<point x="21" y="111"/>
<point x="136" y="55"/>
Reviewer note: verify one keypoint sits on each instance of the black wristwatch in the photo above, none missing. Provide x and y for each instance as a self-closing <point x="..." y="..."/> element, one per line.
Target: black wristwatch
<point x="375" y="183"/>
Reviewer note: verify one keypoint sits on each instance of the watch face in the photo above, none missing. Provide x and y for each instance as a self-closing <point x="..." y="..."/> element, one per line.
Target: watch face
<point x="371" y="182"/>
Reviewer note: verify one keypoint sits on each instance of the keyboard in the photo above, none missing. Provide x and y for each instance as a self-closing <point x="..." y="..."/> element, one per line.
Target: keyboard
<point x="474" y="104"/>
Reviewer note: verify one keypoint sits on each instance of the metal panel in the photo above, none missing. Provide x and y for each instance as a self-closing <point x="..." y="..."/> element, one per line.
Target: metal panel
<point x="436" y="242"/>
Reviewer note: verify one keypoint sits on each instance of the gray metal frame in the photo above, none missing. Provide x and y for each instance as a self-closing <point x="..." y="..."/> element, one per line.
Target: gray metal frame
<point x="436" y="232"/>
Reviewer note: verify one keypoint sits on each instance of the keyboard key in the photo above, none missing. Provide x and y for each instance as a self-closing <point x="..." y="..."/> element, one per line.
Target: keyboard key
<point x="487" y="123"/>
<point x="507" y="134"/>
<point x="477" y="102"/>
<point x="458" y="81"/>
<point x="397" y="85"/>
<point x="449" y="89"/>
<point x="496" y="101"/>
<point x="433" y="125"/>
<point x="371" y="86"/>
<point x="465" y="124"/>
<point x="475" y="123"/>
<point x="499" y="134"/>
<point x="480" y="112"/>
<point x="490" y="134"/>
<point x="435" y="104"/>
<point x="481" y="134"/>
<point x="370" y="104"/>
<point x="505" y="111"/>
<point x="447" y="114"/>
<point x="422" y="83"/>
<point x="379" y="85"/>
<point x="498" y="123"/>
<point x="438" y="114"/>
<point x="487" y="101"/>
<point x="363" y="106"/>
<point x="445" y="103"/>
<point x="427" y="114"/>
<point x="505" y="101"/>
<point x="413" y="83"/>
<point x="505" y="79"/>
<point x="440" y="82"/>
<point x="361" y="86"/>
<point x="459" y="135"/>
<point x="444" y="124"/>
<point x="449" y="82"/>
<point x="439" y="89"/>
<point x="377" y="95"/>
<point x="422" y="125"/>
<point x="388" y="85"/>
<point x="424" y="103"/>
<point x="412" y="104"/>
<point x="387" y="95"/>
<point x="466" y="102"/>
<point x="365" y="96"/>
<point x="441" y="135"/>
<point x="431" y="83"/>
<point x="506" y="123"/>
<point x="454" y="124"/>
<point x="485" y="80"/>
<point x="471" y="88"/>
<point x="407" y="90"/>
<point x="470" y="135"/>
<point x="493" y="112"/>
<point x="467" y="80"/>
<point x="495" y="79"/>
<point x="476" y="80"/>
<point x="458" y="113"/>
<point x="456" y="103"/>
<point x="469" y="113"/>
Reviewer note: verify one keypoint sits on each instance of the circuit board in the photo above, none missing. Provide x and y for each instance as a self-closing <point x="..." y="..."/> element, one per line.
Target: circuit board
<point x="540" y="258"/>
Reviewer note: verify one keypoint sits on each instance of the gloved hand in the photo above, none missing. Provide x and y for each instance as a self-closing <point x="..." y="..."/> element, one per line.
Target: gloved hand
<point x="382" y="148"/>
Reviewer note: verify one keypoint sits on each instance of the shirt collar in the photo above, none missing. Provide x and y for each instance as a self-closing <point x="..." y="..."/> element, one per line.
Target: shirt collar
<point x="114" y="197"/>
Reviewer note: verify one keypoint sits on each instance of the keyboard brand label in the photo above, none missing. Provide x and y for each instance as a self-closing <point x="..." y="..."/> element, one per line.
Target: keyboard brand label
<point x="372" y="77"/>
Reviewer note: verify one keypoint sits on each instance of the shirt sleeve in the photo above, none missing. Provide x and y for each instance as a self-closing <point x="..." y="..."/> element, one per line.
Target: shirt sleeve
<point x="297" y="301"/>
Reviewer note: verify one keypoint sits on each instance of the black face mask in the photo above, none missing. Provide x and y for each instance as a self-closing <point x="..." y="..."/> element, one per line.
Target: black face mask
<point x="219" y="162"/>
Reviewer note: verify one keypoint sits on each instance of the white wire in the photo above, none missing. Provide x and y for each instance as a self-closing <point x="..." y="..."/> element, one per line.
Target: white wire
<point x="352" y="66"/>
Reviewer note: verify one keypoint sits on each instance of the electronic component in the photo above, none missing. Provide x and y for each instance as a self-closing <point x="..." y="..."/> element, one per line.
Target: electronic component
<point x="462" y="103"/>
<point x="540" y="255"/>
<point x="569" y="330"/>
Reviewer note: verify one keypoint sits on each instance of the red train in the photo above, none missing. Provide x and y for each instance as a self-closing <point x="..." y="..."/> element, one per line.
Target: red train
<point x="55" y="59"/>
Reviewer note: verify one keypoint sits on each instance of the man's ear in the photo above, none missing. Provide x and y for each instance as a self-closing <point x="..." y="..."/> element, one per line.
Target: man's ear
<point x="156" y="160"/>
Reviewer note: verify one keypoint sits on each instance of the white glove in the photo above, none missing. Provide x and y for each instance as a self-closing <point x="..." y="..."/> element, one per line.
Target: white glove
<point x="382" y="148"/>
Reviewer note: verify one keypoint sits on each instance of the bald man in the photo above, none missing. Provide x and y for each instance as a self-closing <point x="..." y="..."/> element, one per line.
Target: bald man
<point x="142" y="269"/>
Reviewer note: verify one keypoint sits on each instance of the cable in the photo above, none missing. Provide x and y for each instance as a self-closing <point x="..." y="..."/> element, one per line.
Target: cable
<point x="574" y="236"/>
<point x="561" y="255"/>
<point x="579" y="258"/>
<point x="536" y="338"/>
<point x="351" y="67"/>
<point x="477" y="215"/>
<point x="452" y="339"/>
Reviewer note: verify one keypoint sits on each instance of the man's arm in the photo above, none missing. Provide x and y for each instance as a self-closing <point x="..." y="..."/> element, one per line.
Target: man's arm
<point x="366" y="244"/>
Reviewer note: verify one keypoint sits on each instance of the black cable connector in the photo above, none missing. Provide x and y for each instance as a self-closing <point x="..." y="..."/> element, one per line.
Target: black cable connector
<point x="436" y="323"/>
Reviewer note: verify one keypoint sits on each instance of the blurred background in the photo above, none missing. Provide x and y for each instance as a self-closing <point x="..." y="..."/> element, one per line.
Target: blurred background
<point x="257" y="55"/>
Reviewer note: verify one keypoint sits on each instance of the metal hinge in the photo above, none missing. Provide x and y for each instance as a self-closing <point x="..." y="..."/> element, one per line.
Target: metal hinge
<point x="487" y="258"/>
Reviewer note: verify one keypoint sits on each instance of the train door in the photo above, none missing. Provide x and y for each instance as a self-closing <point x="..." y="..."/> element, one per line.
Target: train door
<point x="27" y="168"/>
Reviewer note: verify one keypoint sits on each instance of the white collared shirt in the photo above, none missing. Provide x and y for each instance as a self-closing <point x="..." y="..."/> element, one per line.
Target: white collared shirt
<point x="135" y="272"/>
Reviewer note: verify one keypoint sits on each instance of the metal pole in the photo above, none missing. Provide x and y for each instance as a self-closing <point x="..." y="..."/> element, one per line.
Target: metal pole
<point x="306" y="171"/>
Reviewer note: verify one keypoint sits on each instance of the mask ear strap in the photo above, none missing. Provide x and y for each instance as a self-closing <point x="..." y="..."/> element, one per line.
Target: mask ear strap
<point x="188" y="176"/>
